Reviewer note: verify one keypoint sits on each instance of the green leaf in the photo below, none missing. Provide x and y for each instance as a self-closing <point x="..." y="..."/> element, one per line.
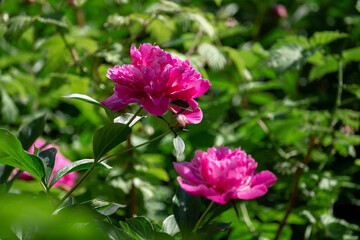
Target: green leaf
<point x="53" y="19"/>
<point x="8" y="108"/>
<point x="179" y="146"/>
<point x="330" y="65"/>
<point x="160" y="29"/>
<point x="30" y="132"/>
<point x="108" y="137"/>
<point x="181" y="103"/>
<point x="287" y="57"/>
<point x="352" y="54"/>
<point x="21" y="57"/>
<point x="202" y="23"/>
<point x="170" y="226"/>
<point x="75" y="166"/>
<point x="141" y="227"/>
<point x="215" y="228"/>
<point x="186" y="209"/>
<point x="16" y="26"/>
<point x="48" y="156"/>
<point x="12" y="153"/>
<point x="125" y="118"/>
<point x="214" y="57"/>
<point x="325" y="37"/>
<point x="104" y="207"/>
<point x="88" y="99"/>
<point x="113" y="232"/>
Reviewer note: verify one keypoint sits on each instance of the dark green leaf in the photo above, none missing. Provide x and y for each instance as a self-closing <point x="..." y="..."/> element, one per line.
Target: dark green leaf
<point x="48" y="156"/>
<point x="215" y="228"/>
<point x="30" y="132"/>
<point x="113" y="232"/>
<point x="186" y="209"/>
<point x="182" y="104"/>
<point x="108" y="137"/>
<point x="12" y="153"/>
<point x="142" y="227"/>
<point x="75" y="166"/>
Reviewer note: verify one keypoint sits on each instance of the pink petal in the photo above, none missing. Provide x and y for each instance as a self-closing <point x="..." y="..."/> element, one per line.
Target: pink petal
<point x="266" y="178"/>
<point x="255" y="192"/>
<point x="114" y="102"/>
<point x="157" y="109"/>
<point x="187" y="171"/>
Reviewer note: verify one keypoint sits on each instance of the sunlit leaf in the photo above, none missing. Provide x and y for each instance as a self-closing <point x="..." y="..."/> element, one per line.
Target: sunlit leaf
<point x="75" y="166"/>
<point x="12" y="153"/>
<point x="325" y="37"/>
<point x="213" y="56"/>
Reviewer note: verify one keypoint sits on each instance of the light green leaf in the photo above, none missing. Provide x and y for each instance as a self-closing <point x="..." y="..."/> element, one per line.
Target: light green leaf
<point x="325" y="37"/>
<point x="16" y="25"/>
<point x="160" y="29"/>
<point x="108" y="137"/>
<point x="170" y="226"/>
<point x="8" y="108"/>
<point x="352" y="54"/>
<point x="202" y="23"/>
<point x="125" y="118"/>
<point x="12" y="153"/>
<point x="213" y="56"/>
<point x="179" y="146"/>
<point x="75" y="166"/>
<point x="287" y="57"/>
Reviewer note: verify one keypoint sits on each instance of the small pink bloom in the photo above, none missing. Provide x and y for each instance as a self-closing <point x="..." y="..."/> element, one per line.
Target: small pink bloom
<point x="154" y="78"/>
<point x="222" y="174"/>
<point x="279" y="11"/>
<point x="67" y="181"/>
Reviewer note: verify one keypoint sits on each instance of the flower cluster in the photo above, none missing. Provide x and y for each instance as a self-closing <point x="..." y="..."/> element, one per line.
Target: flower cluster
<point x="222" y="174"/>
<point x="155" y="78"/>
<point x="66" y="182"/>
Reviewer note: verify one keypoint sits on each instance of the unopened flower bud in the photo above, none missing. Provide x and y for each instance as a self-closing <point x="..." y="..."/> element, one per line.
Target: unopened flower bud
<point x="181" y="120"/>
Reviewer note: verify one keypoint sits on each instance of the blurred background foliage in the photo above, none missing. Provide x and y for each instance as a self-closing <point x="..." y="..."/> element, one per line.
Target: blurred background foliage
<point x="285" y="87"/>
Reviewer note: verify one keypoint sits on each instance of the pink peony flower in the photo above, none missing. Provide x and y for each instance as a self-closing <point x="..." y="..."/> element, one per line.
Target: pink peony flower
<point x="222" y="174"/>
<point x="67" y="181"/>
<point x="155" y="78"/>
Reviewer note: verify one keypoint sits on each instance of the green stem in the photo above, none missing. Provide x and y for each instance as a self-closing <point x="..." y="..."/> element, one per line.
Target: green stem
<point x="202" y="216"/>
<point x="246" y="217"/>
<point x="135" y="115"/>
<point x="79" y="182"/>
<point x="340" y="87"/>
<point x="137" y="146"/>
